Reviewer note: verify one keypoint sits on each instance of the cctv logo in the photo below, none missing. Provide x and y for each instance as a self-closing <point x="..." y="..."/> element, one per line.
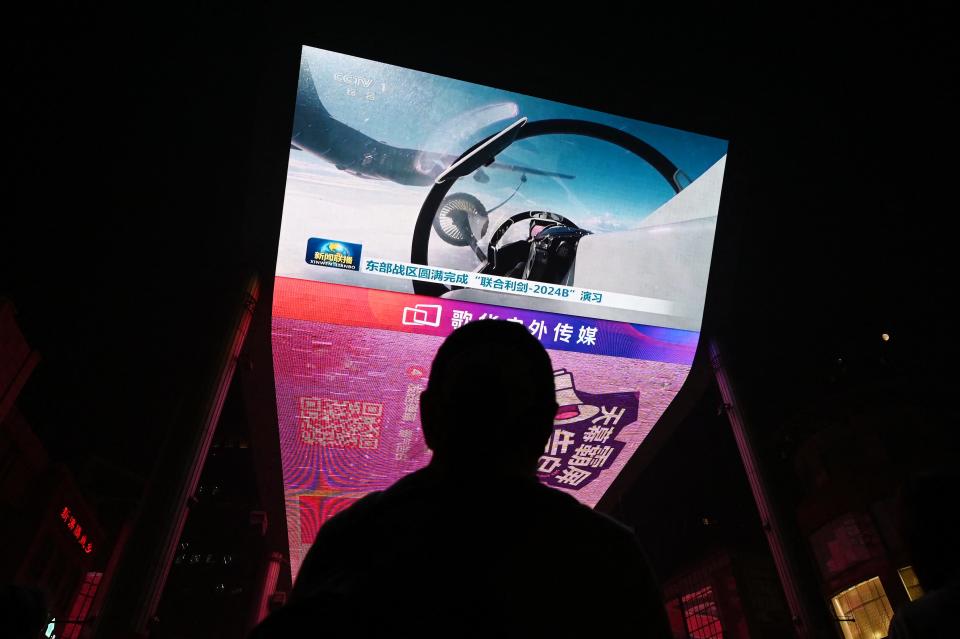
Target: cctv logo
<point x="422" y="315"/>
<point x="346" y="78"/>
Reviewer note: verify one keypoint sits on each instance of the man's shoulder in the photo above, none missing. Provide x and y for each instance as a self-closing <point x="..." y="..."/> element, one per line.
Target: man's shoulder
<point x="588" y="519"/>
<point x="507" y="501"/>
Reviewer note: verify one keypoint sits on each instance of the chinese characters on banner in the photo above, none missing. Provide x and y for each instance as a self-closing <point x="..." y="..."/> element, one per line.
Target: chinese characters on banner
<point x="76" y="530"/>
<point x="411" y="408"/>
<point x="583" y="441"/>
<point x="559" y="332"/>
<point x="418" y="272"/>
<point x="452" y="277"/>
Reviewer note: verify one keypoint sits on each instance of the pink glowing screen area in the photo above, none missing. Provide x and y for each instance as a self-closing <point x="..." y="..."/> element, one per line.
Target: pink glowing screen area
<point x="348" y="394"/>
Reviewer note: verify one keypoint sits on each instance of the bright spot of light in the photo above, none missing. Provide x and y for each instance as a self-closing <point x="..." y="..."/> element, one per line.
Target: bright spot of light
<point x="885" y="337"/>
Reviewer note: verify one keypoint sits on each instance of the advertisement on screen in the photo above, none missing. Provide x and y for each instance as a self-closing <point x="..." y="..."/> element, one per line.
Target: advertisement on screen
<point x="415" y="204"/>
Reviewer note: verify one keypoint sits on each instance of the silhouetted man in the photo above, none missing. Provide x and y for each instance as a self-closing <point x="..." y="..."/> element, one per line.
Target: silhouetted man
<point x="473" y="544"/>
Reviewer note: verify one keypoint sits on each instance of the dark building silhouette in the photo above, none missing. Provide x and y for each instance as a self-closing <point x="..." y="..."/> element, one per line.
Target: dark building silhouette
<point x="703" y="534"/>
<point x="230" y="568"/>
<point x="845" y="434"/>
<point x="855" y="451"/>
<point x="53" y="540"/>
<point x="211" y="589"/>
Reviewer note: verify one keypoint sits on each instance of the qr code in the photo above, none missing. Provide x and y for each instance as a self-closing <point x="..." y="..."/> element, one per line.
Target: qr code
<point x="340" y="424"/>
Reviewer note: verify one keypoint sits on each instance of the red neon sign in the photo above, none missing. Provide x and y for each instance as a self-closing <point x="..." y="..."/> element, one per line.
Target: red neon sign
<point x="76" y="530"/>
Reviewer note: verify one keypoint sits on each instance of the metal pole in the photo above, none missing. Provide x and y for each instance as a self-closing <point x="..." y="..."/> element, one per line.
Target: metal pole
<point x="135" y="591"/>
<point x="268" y="585"/>
<point x="786" y="570"/>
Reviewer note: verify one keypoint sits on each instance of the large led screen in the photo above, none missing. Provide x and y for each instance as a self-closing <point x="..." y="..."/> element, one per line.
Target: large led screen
<point x="415" y="204"/>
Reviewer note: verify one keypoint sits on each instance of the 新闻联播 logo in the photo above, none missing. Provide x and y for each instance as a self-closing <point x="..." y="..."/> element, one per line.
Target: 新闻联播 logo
<point x="333" y="253"/>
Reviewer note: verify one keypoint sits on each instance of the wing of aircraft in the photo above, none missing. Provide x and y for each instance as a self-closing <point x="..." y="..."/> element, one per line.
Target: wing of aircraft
<point x="316" y="131"/>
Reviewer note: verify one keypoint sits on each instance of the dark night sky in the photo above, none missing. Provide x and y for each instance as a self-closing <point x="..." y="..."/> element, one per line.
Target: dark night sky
<point x="118" y="231"/>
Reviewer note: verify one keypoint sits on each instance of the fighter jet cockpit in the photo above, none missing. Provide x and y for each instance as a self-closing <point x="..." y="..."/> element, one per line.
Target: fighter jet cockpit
<point x="522" y="212"/>
<point x="556" y="202"/>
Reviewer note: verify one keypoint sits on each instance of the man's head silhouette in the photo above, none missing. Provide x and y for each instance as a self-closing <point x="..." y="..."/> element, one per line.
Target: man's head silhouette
<point x="490" y="400"/>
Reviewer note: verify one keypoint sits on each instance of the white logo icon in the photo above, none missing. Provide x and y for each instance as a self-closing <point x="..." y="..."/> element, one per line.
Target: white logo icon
<point x="422" y="315"/>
